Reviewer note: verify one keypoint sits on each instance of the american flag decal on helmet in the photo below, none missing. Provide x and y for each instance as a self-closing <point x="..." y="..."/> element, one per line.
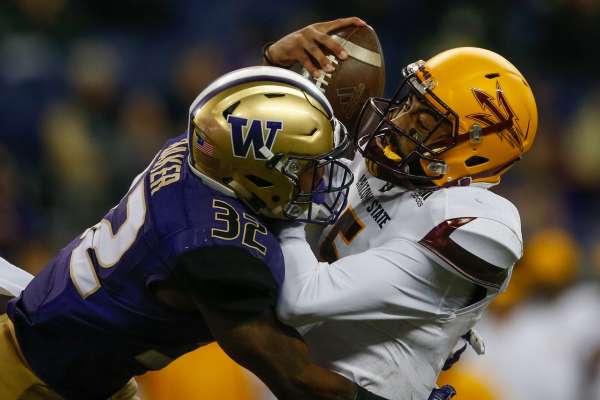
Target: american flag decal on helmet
<point x="500" y="119"/>
<point x="204" y="146"/>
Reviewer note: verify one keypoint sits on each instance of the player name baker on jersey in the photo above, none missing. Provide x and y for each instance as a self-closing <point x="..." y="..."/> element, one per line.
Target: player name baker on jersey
<point x="375" y="209"/>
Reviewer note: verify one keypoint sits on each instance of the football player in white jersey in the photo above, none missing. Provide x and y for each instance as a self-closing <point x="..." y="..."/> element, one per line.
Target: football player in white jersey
<point x="423" y="246"/>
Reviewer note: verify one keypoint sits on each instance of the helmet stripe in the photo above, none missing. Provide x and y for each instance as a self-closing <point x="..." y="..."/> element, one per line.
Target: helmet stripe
<point x="257" y="74"/>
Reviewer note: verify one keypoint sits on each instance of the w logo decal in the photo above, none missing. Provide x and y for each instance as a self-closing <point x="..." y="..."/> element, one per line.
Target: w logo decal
<point x="243" y="136"/>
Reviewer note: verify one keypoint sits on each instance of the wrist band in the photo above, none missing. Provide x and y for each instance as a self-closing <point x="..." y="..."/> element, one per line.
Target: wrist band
<point x="265" y="53"/>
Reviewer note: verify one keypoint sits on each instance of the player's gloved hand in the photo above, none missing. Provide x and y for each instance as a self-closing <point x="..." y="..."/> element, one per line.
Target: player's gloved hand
<point x="446" y="392"/>
<point x="305" y="46"/>
<point x="454" y="357"/>
<point x="471" y="338"/>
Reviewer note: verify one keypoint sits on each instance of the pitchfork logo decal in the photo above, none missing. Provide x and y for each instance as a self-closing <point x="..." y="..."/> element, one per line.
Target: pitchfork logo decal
<point x="499" y="117"/>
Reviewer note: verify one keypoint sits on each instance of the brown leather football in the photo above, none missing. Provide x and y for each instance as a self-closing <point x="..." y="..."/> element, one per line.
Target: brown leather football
<point x="360" y="76"/>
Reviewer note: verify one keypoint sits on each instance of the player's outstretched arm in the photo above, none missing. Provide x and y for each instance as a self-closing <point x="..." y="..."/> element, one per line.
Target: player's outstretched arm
<point x="237" y="300"/>
<point x="279" y="357"/>
<point x="305" y="46"/>
<point x="379" y="283"/>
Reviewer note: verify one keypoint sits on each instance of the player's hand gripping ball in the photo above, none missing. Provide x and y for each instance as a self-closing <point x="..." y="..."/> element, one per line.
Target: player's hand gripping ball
<point x="353" y="80"/>
<point x="343" y="57"/>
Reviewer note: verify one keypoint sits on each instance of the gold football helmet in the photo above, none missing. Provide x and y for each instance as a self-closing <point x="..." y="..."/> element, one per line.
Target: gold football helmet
<point x="466" y="115"/>
<point x="269" y="136"/>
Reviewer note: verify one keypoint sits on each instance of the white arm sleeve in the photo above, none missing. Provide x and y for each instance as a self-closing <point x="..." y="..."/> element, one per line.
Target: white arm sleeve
<point x="12" y="279"/>
<point x="392" y="281"/>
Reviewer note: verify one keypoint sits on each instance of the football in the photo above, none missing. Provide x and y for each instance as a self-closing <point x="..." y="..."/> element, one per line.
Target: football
<point x="358" y="77"/>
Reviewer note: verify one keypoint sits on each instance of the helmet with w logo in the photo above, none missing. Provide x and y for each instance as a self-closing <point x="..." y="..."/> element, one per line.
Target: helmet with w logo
<point x="269" y="136"/>
<point x="466" y="115"/>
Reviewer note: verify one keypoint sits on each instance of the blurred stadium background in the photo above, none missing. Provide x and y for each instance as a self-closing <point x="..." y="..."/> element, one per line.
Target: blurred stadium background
<point x="89" y="90"/>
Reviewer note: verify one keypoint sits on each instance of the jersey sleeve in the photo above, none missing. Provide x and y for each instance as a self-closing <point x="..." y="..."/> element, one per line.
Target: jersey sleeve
<point x="223" y="254"/>
<point x="479" y="249"/>
<point x="228" y="279"/>
<point x="392" y="281"/>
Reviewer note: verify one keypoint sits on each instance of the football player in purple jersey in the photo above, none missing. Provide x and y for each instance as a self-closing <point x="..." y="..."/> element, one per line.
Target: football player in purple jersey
<point x="185" y="258"/>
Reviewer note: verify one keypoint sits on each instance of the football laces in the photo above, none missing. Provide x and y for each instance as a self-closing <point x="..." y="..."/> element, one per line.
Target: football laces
<point x="324" y="78"/>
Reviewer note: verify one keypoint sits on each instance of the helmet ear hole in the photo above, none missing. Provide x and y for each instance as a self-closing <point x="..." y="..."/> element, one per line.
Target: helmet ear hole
<point x="492" y="75"/>
<point x="475" y="161"/>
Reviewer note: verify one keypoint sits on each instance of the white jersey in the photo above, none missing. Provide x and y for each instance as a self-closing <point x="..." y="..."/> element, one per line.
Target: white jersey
<point x="408" y="273"/>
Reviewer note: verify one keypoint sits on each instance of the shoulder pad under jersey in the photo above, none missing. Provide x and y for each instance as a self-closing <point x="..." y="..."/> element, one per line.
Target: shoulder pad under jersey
<point x="475" y="233"/>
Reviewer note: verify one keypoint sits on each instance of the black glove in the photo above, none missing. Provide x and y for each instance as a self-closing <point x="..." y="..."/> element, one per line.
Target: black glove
<point x="364" y="394"/>
<point x="454" y="357"/>
<point x="446" y="392"/>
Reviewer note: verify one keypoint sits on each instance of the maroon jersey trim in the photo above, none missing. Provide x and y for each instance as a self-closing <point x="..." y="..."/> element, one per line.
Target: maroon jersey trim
<point x="475" y="269"/>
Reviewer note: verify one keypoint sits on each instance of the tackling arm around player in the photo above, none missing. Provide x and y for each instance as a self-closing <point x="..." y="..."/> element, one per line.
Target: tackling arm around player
<point x="185" y="258"/>
<point x="422" y="247"/>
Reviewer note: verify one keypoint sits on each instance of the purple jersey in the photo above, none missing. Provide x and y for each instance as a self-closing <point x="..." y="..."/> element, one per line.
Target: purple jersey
<point x="88" y="322"/>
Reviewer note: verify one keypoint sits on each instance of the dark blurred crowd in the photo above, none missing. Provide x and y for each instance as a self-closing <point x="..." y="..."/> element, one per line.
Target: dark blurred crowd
<point x="90" y="90"/>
